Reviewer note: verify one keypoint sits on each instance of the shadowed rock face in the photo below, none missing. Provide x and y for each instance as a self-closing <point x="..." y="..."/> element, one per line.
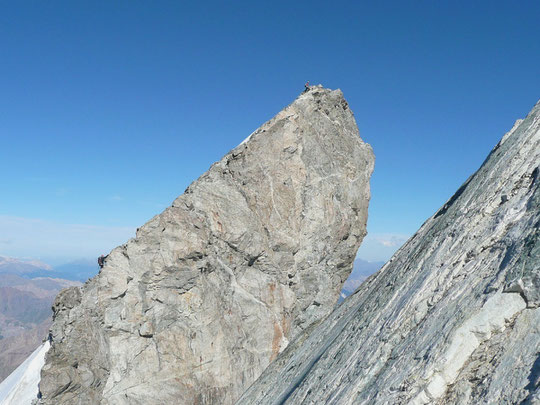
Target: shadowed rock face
<point x="209" y="292"/>
<point x="452" y="318"/>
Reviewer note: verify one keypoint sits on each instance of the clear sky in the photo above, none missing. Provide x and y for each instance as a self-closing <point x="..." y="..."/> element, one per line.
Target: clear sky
<point x="108" y="110"/>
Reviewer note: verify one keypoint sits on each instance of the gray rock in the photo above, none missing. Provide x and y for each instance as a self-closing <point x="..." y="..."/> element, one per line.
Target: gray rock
<point x="452" y="318"/>
<point x="209" y="292"/>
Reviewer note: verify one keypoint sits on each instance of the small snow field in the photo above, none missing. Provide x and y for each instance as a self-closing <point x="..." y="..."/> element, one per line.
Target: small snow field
<point x="21" y="386"/>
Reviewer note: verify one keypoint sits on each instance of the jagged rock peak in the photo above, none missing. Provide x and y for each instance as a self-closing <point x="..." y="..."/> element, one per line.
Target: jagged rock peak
<point x="210" y="291"/>
<point x="452" y="318"/>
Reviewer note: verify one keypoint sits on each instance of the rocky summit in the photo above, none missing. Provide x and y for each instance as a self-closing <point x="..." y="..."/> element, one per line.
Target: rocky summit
<point x="209" y="292"/>
<point x="452" y="318"/>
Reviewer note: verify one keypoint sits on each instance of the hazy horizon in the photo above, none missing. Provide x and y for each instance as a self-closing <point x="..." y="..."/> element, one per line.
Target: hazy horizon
<point x="110" y="110"/>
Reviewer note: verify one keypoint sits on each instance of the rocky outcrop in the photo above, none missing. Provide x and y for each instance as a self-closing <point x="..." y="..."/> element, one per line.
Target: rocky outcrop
<point x="209" y="292"/>
<point x="452" y="318"/>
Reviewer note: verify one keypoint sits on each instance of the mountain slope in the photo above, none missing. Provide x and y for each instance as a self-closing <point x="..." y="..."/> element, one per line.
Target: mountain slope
<point x="210" y="291"/>
<point x="452" y="318"/>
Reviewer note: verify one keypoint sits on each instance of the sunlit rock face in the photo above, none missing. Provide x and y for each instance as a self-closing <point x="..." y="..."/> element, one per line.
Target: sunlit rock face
<point x="452" y="318"/>
<point x="209" y="292"/>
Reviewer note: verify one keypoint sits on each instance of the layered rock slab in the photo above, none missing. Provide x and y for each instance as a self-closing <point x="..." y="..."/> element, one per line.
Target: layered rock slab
<point x="452" y="318"/>
<point x="209" y="292"/>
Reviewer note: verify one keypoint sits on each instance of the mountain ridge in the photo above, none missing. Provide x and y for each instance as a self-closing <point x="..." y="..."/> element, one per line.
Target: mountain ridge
<point x="212" y="289"/>
<point x="453" y="317"/>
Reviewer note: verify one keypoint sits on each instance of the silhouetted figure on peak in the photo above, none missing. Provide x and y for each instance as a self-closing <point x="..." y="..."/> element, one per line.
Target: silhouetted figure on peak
<point x="306" y="87"/>
<point x="101" y="261"/>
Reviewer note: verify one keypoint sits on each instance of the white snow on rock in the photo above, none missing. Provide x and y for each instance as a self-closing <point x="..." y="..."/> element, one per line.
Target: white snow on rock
<point x="21" y="386"/>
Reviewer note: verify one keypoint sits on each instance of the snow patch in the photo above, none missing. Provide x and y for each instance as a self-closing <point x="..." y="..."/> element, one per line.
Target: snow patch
<point x="247" y="139"/>
<point x="21" y="386"/>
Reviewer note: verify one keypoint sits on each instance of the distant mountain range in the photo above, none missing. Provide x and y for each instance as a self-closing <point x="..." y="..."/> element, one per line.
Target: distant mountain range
<point x="78" y="270"/>
<point x="362" y="269"/>
<point x="27" y="291"/>
<point x="21" y="267"/>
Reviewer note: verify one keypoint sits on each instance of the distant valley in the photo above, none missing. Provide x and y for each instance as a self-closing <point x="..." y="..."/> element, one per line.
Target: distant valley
<point x="27" y="291"/>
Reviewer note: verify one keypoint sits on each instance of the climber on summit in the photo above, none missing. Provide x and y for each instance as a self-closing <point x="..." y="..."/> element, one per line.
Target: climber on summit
<point x="101" y="261"/>
<point x="306" y="87"/>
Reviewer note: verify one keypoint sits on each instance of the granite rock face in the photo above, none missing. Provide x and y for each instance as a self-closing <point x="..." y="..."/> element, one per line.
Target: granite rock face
<point x="452" y="318"/>
<point x="210" y="291"/>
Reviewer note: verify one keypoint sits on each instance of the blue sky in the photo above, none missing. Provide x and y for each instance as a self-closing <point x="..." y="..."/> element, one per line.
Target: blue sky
<point x="110" y="109"/>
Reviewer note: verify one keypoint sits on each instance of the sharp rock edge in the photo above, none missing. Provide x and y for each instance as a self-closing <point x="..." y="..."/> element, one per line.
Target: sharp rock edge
<point x="452" y="318"/>
<point x="210" y="291"/>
